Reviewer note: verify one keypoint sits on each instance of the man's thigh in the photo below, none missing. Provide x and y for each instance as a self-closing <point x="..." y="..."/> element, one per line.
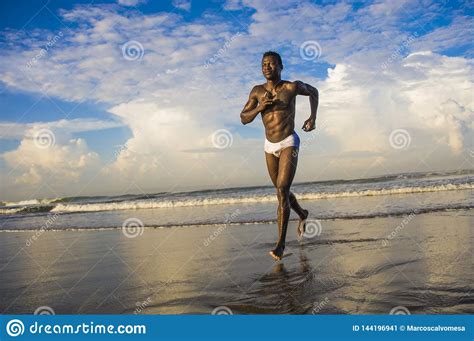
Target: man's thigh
<point x="287" y="167"/>
<point x="272" y="166"/>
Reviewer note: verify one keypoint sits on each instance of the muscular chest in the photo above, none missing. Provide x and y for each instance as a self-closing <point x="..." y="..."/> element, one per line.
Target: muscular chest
<point x="283" y="100"/>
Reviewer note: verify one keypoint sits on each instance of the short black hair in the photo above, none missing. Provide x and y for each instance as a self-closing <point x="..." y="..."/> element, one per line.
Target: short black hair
<point x="274" y="54"/>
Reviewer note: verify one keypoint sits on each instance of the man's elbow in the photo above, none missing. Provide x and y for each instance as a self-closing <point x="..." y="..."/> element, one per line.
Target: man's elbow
<point x="315" y="93"/>
<point x="243" y="119"/>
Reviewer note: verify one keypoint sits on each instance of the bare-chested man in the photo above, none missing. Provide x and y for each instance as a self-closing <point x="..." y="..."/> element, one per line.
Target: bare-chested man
<point x="275" y="100"/>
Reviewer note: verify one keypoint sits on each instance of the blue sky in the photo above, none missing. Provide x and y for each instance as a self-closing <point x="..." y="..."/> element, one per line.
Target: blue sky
<point x="115" y="97"/>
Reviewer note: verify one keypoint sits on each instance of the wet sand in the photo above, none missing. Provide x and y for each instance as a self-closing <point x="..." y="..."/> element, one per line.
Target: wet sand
<point x="358" y="266"/>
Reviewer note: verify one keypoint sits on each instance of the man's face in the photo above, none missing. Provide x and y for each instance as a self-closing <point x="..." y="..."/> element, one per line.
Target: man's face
<point x="271" y="69"/>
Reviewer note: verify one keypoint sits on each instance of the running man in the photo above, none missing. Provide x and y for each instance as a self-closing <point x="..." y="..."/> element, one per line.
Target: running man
<point x="275" y="101"/>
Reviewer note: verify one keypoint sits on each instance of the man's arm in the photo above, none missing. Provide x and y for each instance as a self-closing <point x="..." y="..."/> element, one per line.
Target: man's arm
<point x="313" y="93"/>
<point x="252" y="108"/>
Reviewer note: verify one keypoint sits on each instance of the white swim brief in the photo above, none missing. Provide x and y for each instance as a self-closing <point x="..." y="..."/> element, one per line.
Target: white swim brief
<point x="292" y="140"/>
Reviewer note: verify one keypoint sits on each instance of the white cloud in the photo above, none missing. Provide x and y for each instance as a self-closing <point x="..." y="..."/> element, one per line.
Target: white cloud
<point x="173" y="103"/>
<point x="182" y="4"/>
<point x="130" y="2"/>
<point x="9" y="130"/>
<point x="59" y="164"/>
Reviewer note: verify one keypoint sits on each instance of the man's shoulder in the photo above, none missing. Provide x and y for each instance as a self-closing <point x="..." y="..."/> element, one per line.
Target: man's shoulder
<point x="258" y="88"/>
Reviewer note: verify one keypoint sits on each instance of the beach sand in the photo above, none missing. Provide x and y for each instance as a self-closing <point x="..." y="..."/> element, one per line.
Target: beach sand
<point x="351" y="267"/>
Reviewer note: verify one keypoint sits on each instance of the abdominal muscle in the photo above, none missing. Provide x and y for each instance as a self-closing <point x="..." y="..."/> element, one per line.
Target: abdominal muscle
<point x="278" y="124"/>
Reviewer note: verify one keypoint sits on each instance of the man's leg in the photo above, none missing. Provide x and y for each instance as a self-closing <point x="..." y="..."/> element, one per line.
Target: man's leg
<point x="286" y="172"/>
<point x="302" y="213"/>
<point x="272" y="166"/>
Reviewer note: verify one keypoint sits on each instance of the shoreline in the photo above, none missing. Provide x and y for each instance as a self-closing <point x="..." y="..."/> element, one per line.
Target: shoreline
<point x="350" y="267"/>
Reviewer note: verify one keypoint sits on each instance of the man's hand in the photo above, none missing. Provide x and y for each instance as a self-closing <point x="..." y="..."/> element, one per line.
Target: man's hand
<point x="309" y="124"/>
<point x="265" y="104"/>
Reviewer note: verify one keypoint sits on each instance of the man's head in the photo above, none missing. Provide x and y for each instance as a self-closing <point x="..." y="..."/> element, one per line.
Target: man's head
<point x="271" y="65"/>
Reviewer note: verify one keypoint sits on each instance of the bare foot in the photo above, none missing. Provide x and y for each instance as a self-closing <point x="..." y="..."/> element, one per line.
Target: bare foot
<point x="277" y="253"/>
<point x="302" y="224"/>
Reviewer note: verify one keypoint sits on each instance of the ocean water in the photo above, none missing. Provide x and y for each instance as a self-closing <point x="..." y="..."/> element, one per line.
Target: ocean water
<point x="393" y="195"/>
<point x="382" y="243"/>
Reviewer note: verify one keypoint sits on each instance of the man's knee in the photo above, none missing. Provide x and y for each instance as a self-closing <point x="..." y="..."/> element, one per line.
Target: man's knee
<point x="283" y="193"/>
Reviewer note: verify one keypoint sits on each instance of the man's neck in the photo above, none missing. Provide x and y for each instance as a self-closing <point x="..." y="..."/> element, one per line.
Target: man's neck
<point x="271" y="83"/>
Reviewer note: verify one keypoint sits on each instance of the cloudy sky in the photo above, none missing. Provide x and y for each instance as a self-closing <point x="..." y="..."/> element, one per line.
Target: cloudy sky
<point x="145" y="96"/>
